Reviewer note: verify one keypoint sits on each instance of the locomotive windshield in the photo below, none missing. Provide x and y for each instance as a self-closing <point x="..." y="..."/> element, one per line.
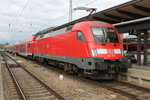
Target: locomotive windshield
<point x="104" y="34"/>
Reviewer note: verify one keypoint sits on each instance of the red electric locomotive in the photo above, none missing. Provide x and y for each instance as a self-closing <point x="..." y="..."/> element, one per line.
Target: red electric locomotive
<point x="89" y="48"/>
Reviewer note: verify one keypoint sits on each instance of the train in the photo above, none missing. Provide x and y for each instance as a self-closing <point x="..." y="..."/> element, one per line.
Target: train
<point x="92" y="49"/>
<point x="132" y="47"/>
<point x="131" y="50"/>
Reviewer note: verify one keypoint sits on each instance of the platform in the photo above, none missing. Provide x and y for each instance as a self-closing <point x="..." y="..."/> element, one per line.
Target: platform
<point x="1" y="83"/>
<point x="142" y="58"/>
<point x="137" y="74"/>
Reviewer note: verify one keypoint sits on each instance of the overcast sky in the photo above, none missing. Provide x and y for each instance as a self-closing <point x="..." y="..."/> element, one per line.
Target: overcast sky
<point x="19" y="19"/>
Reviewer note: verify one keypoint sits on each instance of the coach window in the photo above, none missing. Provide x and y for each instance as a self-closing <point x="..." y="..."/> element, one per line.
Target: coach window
<point x="28" y="45"/>
<point x="80" y="36"/>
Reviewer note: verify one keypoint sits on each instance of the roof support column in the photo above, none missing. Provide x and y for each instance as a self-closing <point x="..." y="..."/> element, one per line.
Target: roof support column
<point x="138" y="47"/>
<point x="145" y="46"/>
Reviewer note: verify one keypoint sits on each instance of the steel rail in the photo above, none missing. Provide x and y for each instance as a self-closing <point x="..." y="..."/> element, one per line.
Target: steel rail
<point x="135" y="86"/>
<point x="15" y="80"/>
<point x="109" y="87"/>
<point x="135" y="97"/>
<point x="60" y="97"/>
<point x="105" y="85"/>
<point x="117" y="90"/>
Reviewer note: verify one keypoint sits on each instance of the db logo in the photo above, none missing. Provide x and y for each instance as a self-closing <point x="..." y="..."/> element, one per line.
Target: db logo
<point x="110" y="51"/>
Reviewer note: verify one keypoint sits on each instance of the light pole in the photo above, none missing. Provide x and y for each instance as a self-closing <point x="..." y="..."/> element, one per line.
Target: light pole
<point x="70" y="10"/>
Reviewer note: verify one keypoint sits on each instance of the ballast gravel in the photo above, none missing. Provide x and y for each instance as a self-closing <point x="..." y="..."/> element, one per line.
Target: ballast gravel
<point x="71" y="87"/>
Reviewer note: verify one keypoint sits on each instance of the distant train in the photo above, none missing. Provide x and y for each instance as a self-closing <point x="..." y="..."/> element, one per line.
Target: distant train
<point x="131" y="50"/>
<point x="90" y="48"/>
<point x="132" y="47"/>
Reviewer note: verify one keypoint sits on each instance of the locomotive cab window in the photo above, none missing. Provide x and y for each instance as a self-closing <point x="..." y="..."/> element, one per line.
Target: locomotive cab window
<point x="80" y="36"/>
<point x="104" y="34"/>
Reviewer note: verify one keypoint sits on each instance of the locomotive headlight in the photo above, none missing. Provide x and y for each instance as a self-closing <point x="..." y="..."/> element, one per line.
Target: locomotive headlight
<point x="94" y="52"/>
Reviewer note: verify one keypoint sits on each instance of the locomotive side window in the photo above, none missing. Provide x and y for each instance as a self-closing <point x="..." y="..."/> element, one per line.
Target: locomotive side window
<point x="41" y="36"/>
<point x="103" y="34"/>
<point x="80" y="36"/>
<point x="69" y="29"/>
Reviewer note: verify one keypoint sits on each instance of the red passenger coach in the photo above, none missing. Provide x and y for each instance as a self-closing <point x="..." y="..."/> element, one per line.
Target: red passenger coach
<point x="132" y="47"/>
<point x="30" y="46"/>
<point x="11" y="48"/>
<point x="89" y="48"/>
<point x="27" y="48"/>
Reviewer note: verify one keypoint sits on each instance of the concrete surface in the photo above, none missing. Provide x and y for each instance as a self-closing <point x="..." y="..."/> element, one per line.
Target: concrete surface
<point x="137" y="74"/>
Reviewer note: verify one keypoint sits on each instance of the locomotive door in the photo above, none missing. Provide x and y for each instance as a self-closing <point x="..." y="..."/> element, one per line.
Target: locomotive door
<point x="41" y="42"/>
<point x="42" y="46"/>
<point x="82" y="44"/>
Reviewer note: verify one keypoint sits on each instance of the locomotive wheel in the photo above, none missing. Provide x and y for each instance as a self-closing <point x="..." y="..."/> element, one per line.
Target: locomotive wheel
<point x="45" y="62"/>
<point x="80" y="72"/>
<point x="125" y="70"/>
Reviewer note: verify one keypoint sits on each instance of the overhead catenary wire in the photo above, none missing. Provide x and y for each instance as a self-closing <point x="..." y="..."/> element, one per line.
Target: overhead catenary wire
<point x="14" y="20"/>
<point x="19" y="15"/>
<point x="90" y="2"/>
<point x="21" y="11"/>
<point x="58" y="18"/>
<point x="65" y="14"/>
<point x="86" y="3"/>
<point x="18" y="12"/>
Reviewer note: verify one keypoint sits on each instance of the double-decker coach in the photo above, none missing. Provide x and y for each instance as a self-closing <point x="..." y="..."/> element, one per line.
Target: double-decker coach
<point x="26" y="48"/>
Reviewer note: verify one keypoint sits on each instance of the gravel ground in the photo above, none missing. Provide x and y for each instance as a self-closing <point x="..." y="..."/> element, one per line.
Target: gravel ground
<point x="72" y="87"/>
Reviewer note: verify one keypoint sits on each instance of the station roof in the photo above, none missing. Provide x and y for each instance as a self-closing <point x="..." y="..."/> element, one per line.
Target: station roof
<point x="131" y="10"/>
<point x="135" y="9"/>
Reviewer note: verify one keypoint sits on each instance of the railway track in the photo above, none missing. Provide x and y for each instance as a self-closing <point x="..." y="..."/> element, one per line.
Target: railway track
<point x="129" y="90"/>
<point x="29" y="86"/>
<point x="133" y="91"/>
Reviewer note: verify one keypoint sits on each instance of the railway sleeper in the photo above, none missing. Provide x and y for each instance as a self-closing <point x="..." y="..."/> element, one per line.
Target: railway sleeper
<point x="35" y="92"/>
